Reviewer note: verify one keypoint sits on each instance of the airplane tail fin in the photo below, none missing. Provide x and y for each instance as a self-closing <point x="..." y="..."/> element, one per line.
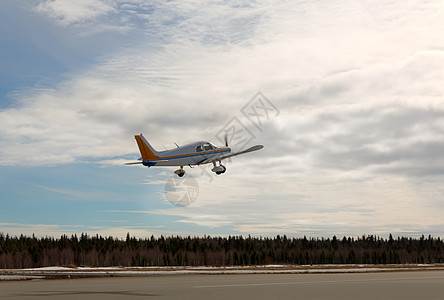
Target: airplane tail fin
<point x="147" y="151"/>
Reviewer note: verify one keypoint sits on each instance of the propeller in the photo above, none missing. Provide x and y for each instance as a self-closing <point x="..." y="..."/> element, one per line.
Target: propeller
<point x="226" y="139"/>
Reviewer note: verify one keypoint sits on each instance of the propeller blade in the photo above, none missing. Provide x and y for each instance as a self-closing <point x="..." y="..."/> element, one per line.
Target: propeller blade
<point x="226" y="139"/>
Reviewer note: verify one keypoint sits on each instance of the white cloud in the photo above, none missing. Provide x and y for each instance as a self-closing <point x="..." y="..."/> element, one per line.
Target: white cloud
<point x="299" y="206"/>
<point x="359" y="87"/>
<point x="62" y="191"/>
<point x="68" y="12"/>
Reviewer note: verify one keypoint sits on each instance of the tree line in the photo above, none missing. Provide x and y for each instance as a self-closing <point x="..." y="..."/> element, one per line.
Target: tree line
<point x="85" y="250"/>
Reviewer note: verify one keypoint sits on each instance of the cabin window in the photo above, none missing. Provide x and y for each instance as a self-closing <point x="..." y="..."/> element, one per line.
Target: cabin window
<point x="199" y="148"/>
<point x="207" y="147"/>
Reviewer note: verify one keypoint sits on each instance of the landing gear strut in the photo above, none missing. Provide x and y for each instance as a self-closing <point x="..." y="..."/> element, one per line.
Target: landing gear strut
<point x="180" y="172"/>
<point x="220" y="169"/>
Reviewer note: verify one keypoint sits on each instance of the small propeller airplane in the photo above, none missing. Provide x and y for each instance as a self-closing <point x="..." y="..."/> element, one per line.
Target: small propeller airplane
<point x="197" y="153"/>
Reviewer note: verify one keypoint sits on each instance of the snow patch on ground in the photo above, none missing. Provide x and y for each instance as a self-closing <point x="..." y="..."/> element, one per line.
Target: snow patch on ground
<point x="19" y="277"/>
<point x="75" y="272"/>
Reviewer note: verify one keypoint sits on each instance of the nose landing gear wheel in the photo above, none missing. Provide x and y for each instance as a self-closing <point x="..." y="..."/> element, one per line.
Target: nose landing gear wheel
<point x="220" y="169"/>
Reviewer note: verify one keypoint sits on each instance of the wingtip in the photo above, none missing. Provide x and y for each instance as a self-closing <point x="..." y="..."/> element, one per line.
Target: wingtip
<point x="257" y="147"/>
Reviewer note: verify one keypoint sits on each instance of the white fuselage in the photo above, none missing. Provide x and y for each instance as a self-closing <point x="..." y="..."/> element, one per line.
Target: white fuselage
<point x="190" y="154"/>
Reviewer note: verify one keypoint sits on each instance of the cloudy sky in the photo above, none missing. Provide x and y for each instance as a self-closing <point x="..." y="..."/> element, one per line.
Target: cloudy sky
<point x="353" y="146"/>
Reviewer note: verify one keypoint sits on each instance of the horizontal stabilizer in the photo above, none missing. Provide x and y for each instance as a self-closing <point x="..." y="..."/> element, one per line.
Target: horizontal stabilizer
<point x="134" y="163"/>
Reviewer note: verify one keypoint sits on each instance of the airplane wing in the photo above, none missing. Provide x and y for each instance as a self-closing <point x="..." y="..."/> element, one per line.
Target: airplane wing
<point x="217" y="158"/>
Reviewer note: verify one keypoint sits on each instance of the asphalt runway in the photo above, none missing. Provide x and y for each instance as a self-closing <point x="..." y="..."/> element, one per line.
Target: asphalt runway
<point x="388" y="285"/>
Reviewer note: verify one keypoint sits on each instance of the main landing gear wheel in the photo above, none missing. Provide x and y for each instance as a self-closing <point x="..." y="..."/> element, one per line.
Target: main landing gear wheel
<point x="220" y="169"/>
<point x="180" y="172"/>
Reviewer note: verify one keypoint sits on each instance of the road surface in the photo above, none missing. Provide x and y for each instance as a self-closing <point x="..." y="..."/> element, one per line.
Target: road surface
<point x="387" y="285"/>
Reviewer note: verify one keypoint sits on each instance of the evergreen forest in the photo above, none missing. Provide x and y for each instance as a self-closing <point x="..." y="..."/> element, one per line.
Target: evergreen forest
<point x="84" y="250"/>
